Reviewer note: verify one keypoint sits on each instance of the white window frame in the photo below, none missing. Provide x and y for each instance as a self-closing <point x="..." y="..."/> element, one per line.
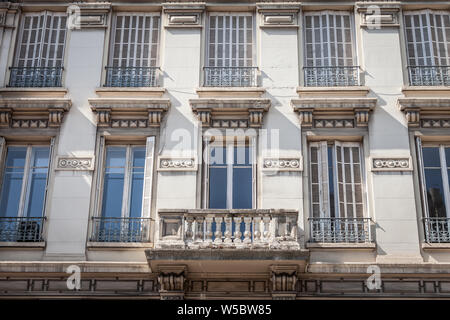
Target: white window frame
<point x="444" y="174"/>
<point x="427" y="28"/>
<point x="131" y="62"/>
<point x="27" y="172"/>
<point x="208" y="29"/>
<point x="326" y="212"/>
<point x="230" y="144"/>
<point x="37" y="59"/>
<point x="146" y="206"/>
<point x="354" y="46"/>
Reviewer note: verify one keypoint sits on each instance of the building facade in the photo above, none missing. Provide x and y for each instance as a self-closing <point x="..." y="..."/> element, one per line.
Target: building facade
<point x="225" y="149"/>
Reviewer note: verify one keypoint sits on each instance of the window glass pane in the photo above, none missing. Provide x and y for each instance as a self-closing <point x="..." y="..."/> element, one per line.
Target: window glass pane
<point x="242" y="156"/>
<point x="218" y="188"/>
<point x="431" y="157"/>
<point x="38" y="180"/>
<point x="435" y="193"/>
<point x="12" y="181"/>
<point x="331" y="180"/>
<point x="242" y="188"/>
<point x="137" y="182"/>
<point x="447" y="156"/>
<point x="113" y="181"/>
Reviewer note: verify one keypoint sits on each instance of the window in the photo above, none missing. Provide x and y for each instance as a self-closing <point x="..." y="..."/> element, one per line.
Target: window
<point x="134" y="50"/>
<point x="40" y="50"/>
<point x="337" y="193"/>
<point x="230" y="50"/>
<point x="428" y="45"/>
<point x="230" y="174"/>
<point x="125" y="193"/>
<point x="435" y="172"/>
<point x="329" y="52"/>
<point x="23" y="192"/>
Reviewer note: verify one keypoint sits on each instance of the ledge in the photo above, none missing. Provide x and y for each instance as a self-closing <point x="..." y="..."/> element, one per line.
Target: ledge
<point x="109" y="92"/>
<point x="341" y="246"/>
<point x="426" y="91"/>
<point x="354" y="91"/>
<point x="36" y="245"/>
<point x="119" y="245"/>
<point x="435" y="246"/>
<point x="47" y="92"/>
<point x="232" y="92"/>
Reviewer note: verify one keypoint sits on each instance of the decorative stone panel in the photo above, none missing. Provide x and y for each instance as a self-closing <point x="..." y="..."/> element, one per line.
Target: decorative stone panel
<point x="278" y="15"/>
<point x="88" y="15"/>
<point x="75" y="163"/>
<point x="378" y="15"/>
<point x="187" y="15"/>
<point x="176" y="164"/>
<point x="283" y="164"/>
<point x="391" y="163"/>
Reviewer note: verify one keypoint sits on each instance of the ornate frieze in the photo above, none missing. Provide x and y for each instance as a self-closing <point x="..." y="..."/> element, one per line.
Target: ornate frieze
<point x="334" y="112"/>
<point x="391" y="163"/>
<point x="283" y="164"/>
<point x="426" y="112"/>
<point x="75" y="163"/>
<point x="129" y="112"/>
<point x="230" y="112"/>
<point x="176" y="164"/>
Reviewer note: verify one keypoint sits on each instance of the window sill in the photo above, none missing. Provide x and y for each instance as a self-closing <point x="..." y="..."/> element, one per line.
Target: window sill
<point x="351" y="91"/>
<point x="205" y="92"/>
<point x="35" y="92"/>
<point x="107" y="92"/>
<point x="415" y="91"/>
<point x="119" y="245"/>
<point x="435" y="246"/>
<point x="341" y="246"/>
<point x="37" y="245"/>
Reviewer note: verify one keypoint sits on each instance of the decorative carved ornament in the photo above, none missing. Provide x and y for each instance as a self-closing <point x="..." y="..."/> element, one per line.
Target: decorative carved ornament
<point x="75" y="163"/>
<point x="8" y="10"/>
<point x="171" y="281"/>
<point x="284" y="281"/>
<point x="391" y="163"/>
<point x="378" y="15"/>
<point x="183" y="15"/>
<point x="177" y="164"/>
<point x="334" y="112"/>
<point x="283" y="164"/>
<point x="278" y="15"/>
<point x="426" y="112"/>
<point x="129" y="112"/>
<point x="230" y="113"/>
<point x="32" y="112"/>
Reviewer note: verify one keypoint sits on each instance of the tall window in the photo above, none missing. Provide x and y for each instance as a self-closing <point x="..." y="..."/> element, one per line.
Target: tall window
<point x="230" y="50"/>
<point x="428" y="46"/>
<point x="230" y="174"/>
<point x="435" y="176"/>
<point x="329" y="52"/>
<point x="337" y="193"/>
<point x="134" y="50"/>
<point x="125" y="208"/>
<point x="23" y="192"/>
<point x="40" y="50"/>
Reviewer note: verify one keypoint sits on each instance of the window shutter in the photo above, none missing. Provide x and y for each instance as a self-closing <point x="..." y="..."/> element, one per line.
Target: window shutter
<point x="328" y="39"/>
<point x="148" y="177"/>
<point x="319" y="180"/>
<point x="422" y="176"/>
<point x="54" y="40"/>
<point x="230" y="40"/>
<point x="29" y="48"/>
<point x="49" y="174"/>
<point x="99" y="177"/>
<point x="135" y="40"/>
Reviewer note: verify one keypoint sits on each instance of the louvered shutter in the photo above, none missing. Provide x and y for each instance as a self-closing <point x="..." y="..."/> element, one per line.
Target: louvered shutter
<point x="135" y="40"/>
<point x="230" y="40"/>
<point x="328" y="39"/>
<point x="319" y="180"/>
<point x="148" y="177"/>
<point x="423" y="187"/>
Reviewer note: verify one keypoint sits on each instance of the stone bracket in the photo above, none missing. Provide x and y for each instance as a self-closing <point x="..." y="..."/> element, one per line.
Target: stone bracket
<point x="284" y="281"/>
<point x="172" y="281"/>
<point x="426" y="112"/>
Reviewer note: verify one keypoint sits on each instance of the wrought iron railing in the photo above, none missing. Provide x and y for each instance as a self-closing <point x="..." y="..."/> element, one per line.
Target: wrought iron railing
<point x="21" y="229"/>
<point x="437" y="229"/>
<point x="332" y="76"/>
<point x="340" y="230"/>
<point x="429" y="75"/>
<point x="35" y="76"/>
<point x="230" y="76"/>
<point x="131" y="76"/>
<point x="120" y="229"/>
<point x="239" y="228"/>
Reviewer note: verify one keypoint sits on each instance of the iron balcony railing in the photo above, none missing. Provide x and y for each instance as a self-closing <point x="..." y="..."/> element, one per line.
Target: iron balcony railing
<point x="35" y="76"/>
<point x="230" y="76"/>
<point x="332" y="76"/>
<point x="21" y="229"/>
<point x="340" y="230"/>
<point x="131" y="76"/>
<point x="120" y="229"/>
<point x="437" y="229"/>
<point x="429" y="75"/>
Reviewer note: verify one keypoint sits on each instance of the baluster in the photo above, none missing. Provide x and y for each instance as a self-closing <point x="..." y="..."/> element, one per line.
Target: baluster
<point x="218" y="233"/>
<point x="228" y="233"/>
<point x="199" y="224"/>
<point x="247" y="232"/>
<point x="257" y="229"/>
<point x="237" y="229"/>
<point x="189" y="230"/>
<point x="266" y="231"/>
<point x="208" y="233"/>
